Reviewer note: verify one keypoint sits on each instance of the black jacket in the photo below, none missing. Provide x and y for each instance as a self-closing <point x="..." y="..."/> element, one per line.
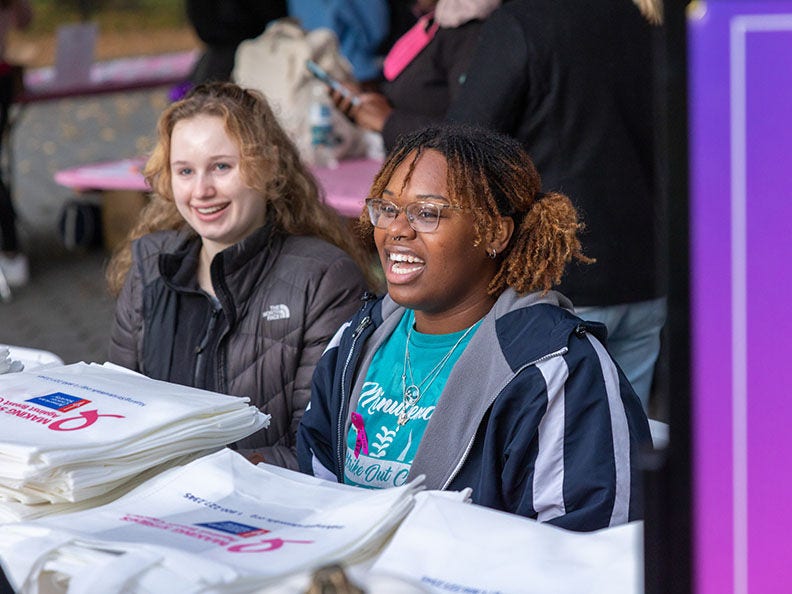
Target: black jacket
<point x="281" y="297"/>
<point x="422" y="92"/>
<point x="229" y="22"/>
<point x="572" y="80"/>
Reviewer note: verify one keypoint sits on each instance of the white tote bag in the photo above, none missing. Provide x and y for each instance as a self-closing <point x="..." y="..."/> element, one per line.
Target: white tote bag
<point x="218" y="524"/>
<point x="447" y="546"/>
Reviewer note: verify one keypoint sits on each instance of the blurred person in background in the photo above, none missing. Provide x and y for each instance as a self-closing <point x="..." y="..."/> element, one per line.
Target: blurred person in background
<point x="423" y="70"/>
<point x="360" y="26"/>
<point x="237" y="275"/>
<point x="14" y="264"/>
<point x="573" y="81"/>
<point x="222" y="25"/>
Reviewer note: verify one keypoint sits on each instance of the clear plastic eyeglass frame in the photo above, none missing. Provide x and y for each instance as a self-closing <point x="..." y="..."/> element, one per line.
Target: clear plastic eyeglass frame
<point x="423" y="216"/>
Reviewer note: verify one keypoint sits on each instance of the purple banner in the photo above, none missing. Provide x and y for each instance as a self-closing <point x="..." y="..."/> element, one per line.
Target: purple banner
<point x="740" y="59"/>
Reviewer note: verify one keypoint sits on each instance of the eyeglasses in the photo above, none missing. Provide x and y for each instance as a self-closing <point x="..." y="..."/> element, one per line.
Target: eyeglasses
<point x="424" y="217"/>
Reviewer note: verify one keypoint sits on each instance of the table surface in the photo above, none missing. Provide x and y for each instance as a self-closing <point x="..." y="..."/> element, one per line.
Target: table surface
<point x="121" y="74"/>
<point x="345" y="187"/>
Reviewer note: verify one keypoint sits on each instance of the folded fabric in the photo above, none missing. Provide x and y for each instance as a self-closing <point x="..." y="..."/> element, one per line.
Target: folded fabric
<point x="8" y="365"/>
<point x="15" y="511"/>
<point x="76" y="432"/>
<point x="29" y="358"/>
<point x="447" y="546"/>
<point x="218" y="524"/>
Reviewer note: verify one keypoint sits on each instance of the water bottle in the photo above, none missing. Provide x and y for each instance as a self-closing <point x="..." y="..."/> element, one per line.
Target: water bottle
<point x="321" y="122"/>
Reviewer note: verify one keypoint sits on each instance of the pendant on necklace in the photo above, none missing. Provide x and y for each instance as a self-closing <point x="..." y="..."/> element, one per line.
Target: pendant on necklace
<point x="412" y="394"/>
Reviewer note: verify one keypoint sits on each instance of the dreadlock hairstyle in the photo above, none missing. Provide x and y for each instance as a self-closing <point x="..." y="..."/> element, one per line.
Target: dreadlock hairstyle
<point x="491" y="176"/>
<point x="269" y="163"/>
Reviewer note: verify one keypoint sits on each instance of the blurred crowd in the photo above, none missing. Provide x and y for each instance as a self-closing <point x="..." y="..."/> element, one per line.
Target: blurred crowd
<point x="573" y="83"/>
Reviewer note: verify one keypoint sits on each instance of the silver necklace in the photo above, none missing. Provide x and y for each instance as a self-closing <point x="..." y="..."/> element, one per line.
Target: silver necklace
<point x="412" y="392"/>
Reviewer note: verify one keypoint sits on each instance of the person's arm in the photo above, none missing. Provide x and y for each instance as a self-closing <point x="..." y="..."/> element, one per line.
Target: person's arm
<point x="450" y="50"/>
<point x="573" y="429"/>
<point x="606" y="432"/>
<point x="496" y="80"/>
<point x="315" y="435"/>
<point x="368" y="110"/>
<point x="128" y="322"/>
<point x="369" y="18"/>
<point x="335" y="300"/>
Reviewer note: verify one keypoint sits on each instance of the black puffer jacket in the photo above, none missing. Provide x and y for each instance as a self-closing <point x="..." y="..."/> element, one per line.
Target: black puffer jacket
<point x="281" y="299"/>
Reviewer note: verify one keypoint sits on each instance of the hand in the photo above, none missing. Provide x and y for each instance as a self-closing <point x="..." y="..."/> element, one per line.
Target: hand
<point x="371" y="111"/>
<point x="255" y="458"/>
<point x="343" y="101"/>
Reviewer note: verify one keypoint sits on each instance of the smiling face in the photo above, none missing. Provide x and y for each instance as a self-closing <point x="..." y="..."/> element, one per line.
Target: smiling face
<point x="207" y="183"/>
<point x="441" y="275"/>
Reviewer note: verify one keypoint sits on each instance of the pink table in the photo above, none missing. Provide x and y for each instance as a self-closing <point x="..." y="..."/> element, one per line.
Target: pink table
<point x="345" y="187"/>
<point x="122" y="74"/>
<point x="112" y="175"/>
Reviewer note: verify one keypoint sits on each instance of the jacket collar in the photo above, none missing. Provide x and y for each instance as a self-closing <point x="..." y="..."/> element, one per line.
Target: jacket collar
<point x="236" y="271"/>
<point x="476" y="380"/>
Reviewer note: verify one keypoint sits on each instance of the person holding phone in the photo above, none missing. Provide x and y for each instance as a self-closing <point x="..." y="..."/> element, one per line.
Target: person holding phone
<point x="422" y="71"/>
<point x="333" y="83"/>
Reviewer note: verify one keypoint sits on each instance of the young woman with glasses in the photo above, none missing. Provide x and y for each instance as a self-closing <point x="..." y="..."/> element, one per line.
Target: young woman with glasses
<point x="237" y="274"/>
<point x="471" y="371"/>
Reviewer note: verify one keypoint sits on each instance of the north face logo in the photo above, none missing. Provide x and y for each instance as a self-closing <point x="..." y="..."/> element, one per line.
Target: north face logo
<point x="276" y="312"/>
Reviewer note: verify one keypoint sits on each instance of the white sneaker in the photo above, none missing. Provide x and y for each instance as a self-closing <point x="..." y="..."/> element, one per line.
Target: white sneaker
<point x="15" y="269"/>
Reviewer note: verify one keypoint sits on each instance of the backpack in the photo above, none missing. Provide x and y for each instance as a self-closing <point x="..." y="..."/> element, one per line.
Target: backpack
<point x="80" y="225"/>
<point x="274" y="63"/>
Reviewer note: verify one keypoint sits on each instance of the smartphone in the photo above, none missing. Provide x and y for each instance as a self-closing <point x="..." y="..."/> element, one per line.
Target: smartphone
<point x="331" y="82"/>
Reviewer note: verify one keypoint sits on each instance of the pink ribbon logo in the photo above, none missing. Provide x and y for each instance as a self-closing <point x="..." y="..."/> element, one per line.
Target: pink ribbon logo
<point x="361" y="442"/>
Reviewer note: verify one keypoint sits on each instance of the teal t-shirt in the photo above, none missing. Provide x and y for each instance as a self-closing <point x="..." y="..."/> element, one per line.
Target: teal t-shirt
<point x="380" y="450"/>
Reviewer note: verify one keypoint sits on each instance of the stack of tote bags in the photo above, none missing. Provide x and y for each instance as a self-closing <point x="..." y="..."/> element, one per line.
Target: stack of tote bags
<point x="221" y="525"/>
<point x="218" y="524"/>
<point x="79" y="435"/>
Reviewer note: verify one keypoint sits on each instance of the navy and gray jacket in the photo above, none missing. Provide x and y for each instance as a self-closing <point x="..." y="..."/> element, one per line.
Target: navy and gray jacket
<point x="535" y="417"/>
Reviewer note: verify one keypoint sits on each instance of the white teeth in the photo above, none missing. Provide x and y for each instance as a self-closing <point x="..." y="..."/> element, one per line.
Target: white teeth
<point x="404" y="258"/>
<point x="402" y="269"/>
<point x="210" y="209"/>
<point x="405" y="263"/>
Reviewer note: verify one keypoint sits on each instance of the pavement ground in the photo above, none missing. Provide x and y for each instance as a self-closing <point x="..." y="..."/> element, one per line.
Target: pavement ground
<point x="66" y="309"/>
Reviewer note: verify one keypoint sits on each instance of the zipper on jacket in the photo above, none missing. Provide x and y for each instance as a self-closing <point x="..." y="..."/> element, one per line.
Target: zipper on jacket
<point x="342" y="411"/>
<point x="466" y="453"/>
<point x="200" y="350"/>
